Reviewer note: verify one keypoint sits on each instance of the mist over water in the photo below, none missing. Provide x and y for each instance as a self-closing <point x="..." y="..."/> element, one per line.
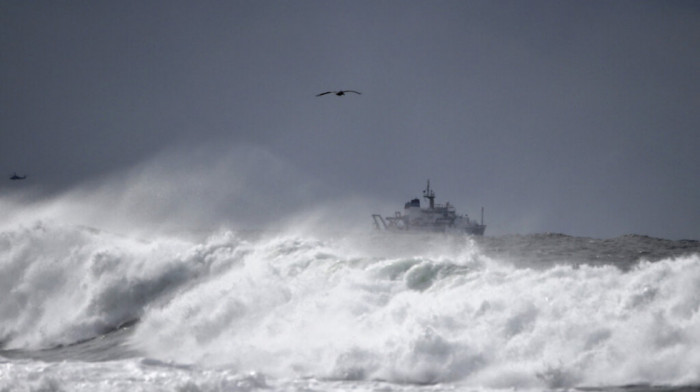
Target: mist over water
<point x="209" y="272"/>
<point x="186" y="190"/>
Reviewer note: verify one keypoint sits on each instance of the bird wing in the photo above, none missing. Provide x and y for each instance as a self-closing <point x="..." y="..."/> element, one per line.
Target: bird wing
<point x="327" y="92"/>
<point x="352" y="91"/>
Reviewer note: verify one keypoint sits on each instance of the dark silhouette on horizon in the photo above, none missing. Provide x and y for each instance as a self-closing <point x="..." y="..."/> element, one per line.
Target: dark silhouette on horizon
<point x="16" y="177"/>
<point x="339" y="93"/>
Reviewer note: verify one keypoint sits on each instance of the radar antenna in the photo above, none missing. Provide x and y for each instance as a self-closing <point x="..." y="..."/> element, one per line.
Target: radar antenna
<point x="430" y="195"/>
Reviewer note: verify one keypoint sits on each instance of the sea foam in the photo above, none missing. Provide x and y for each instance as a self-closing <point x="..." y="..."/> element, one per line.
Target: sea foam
<point x="413" y="309"/>
<point x="295" y="307"/>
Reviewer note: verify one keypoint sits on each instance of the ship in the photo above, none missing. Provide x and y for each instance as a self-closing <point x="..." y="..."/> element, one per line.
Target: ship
<point x="436" y="218"/>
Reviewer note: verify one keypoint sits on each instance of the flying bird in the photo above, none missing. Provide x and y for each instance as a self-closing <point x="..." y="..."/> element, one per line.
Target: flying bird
<point x="339" y="93"/>
<point x="15" y="177"/>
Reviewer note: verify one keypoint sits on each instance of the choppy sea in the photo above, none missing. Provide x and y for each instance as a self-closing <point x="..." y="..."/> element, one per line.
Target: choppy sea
<point x="84" y="309"/>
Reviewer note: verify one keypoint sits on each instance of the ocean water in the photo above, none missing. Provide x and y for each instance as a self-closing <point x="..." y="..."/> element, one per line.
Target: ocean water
<point x="87" y="309"/>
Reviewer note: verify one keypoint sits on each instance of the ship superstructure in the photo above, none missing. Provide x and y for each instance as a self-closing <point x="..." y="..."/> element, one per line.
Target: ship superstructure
<point x="434" y="218"/>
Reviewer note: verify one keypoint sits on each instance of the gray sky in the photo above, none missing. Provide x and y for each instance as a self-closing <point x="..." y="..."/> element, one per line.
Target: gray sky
<point x="578" y="117"/>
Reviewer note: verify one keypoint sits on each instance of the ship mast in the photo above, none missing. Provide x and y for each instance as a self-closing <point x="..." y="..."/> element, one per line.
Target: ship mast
<point x="430" y="195"/>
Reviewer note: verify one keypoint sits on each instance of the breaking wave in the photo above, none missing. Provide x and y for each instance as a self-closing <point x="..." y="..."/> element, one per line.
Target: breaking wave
<point x="413" y="309"/>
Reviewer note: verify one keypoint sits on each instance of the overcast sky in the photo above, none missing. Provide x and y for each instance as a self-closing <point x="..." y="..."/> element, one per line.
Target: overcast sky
<point x="580" y="117"/>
